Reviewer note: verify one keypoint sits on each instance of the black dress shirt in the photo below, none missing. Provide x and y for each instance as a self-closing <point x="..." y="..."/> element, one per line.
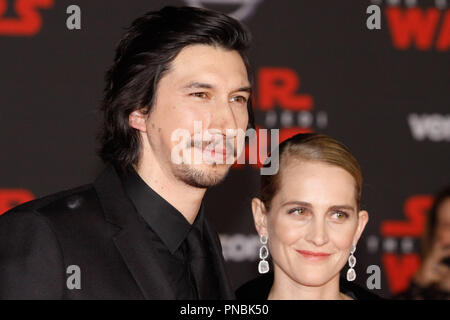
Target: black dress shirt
<point x="170" y="234"/>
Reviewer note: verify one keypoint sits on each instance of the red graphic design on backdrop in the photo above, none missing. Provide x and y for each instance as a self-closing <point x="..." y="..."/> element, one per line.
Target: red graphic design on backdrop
<point x="277" y="86"/>
<point x="422" y="29"/>
<point x="10" y="198"/>
<point x="29" y="20"/>
<point x="400" y="268"/>
<point x="415" y="210"/>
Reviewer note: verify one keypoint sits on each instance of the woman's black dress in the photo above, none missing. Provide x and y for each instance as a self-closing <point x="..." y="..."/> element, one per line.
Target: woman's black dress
<point x="259" y="288"/>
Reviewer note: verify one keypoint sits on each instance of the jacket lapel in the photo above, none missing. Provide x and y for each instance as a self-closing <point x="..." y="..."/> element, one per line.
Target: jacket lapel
<point x="134" y="239"/>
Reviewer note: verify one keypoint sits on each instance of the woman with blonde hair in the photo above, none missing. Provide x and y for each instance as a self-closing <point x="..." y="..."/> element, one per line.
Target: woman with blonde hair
<point x="309" y="219"/>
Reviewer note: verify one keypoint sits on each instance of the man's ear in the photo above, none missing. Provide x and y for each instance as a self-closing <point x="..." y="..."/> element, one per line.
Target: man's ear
<point x="259" y="216"/>
<point x="137" y="119"/>
<point x="363" y="218"/>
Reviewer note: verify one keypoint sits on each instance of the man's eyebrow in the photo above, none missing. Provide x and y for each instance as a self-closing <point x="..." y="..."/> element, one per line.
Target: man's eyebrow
<point x="203" y="85"/>
<point x="343" y="207"/>
<point x="299" y="203"/>
<point x="198" y="85"/>
<point x="244" y="89"/>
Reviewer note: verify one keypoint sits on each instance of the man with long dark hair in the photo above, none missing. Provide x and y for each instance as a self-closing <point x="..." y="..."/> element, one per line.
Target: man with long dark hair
<point x="139" y="231"/>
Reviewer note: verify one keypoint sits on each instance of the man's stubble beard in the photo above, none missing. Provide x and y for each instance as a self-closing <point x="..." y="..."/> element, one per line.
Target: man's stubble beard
<point x="202" y="177"/>
<point x="199" y="178"/>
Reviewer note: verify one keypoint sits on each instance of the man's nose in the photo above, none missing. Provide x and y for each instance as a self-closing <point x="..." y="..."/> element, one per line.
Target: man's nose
<point x="223" y="117"/>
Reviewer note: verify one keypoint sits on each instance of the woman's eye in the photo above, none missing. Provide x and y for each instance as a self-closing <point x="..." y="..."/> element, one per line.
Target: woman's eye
<point x="297" y="211"/>
<point x="239" y="99"/>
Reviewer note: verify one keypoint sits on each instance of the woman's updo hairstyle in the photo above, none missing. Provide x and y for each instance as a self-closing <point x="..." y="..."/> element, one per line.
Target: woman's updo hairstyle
<point x="311" y="147"/>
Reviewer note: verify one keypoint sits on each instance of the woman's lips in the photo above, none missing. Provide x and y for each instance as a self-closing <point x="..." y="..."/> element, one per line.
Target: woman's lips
<point x="313" y="256"/>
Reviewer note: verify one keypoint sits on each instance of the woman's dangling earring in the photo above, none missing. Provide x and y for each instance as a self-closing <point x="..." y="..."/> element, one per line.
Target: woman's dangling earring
<point x="351" y="274"/>
<point x="263" y="266"/>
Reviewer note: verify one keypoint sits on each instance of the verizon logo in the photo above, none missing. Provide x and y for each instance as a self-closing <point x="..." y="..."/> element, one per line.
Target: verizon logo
<point x="435" y="127"/>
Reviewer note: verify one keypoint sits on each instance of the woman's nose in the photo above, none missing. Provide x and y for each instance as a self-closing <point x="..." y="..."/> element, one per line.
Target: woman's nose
<point x="317" y="233"/>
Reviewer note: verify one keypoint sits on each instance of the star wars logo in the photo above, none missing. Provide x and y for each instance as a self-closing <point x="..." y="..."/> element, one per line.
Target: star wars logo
<point x="10" y="198"/>
<point x="27" y="20"/>
<point x="399" y="238"/>
<point x="414" y="26"/>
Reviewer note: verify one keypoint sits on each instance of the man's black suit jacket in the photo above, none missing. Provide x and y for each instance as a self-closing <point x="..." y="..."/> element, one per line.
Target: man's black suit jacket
<point x="96" y="228"/>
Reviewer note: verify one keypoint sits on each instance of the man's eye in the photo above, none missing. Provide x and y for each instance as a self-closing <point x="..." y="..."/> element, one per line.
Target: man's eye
<point x="297" y="211"/>
<point x="200" y="95"/>
<point x="240" y="99"/>
<point x="339" y="215"/>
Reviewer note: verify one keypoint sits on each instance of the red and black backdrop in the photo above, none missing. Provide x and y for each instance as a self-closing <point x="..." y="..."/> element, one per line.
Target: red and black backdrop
<point x="384" y="92"/>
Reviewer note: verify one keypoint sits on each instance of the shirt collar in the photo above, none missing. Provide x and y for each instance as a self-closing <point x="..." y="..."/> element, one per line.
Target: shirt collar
<point x="165" y="220"/>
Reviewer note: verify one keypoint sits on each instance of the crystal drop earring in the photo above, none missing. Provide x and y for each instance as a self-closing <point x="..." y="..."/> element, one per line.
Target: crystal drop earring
<point x="351" y="274"/>
<point x="263" y="266"/>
